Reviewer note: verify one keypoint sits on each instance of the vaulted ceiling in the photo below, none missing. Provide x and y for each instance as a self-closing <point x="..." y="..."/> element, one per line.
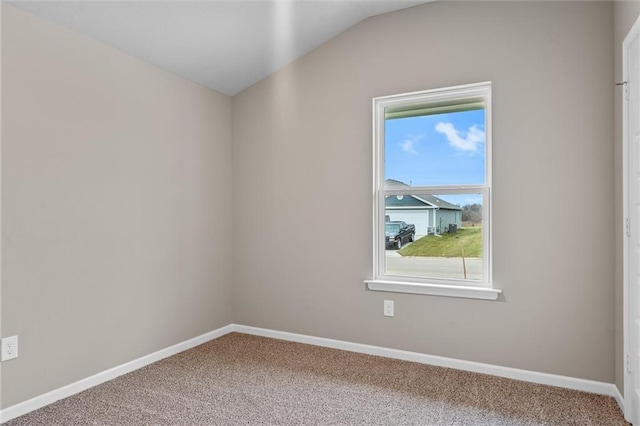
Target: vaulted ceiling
<point x="225" y="45"/>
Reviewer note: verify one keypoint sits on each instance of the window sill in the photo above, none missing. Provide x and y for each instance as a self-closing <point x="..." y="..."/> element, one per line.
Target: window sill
<point x="467" y="292"/>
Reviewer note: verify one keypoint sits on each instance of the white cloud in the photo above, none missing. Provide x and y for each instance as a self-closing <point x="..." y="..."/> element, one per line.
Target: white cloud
<point x="469" y="143"/>
<point x="410" y="143"/>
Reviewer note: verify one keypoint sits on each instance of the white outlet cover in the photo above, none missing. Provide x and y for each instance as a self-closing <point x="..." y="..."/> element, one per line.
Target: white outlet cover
<point x="388" y="308"/>
<point x="9" y="348"/>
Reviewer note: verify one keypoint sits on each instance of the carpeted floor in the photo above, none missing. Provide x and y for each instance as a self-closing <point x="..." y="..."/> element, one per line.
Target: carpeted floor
<point x="247" y="380"/>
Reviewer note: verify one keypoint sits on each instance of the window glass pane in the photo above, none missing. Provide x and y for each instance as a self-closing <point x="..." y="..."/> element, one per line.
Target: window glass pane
<point x="434" y="236"/>
<point x="436" y="149"/>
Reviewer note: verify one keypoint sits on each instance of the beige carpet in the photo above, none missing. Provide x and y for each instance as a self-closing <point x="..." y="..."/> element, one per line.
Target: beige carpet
<point x="247" y="380"/>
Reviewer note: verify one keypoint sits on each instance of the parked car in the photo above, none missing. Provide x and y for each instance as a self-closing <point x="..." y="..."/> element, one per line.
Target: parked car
<point x="398" y="233"/>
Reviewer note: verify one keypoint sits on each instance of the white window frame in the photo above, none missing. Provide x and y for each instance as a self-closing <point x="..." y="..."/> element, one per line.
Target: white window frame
<point x="443" y="97"/>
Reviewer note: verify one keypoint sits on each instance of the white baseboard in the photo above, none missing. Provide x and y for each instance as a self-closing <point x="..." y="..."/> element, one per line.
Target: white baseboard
<point x="591" y="386"/>
<point x="84" y="384"/>
<point x="618" y="397"/>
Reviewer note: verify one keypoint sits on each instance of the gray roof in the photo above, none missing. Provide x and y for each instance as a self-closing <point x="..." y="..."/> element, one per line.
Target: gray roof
<point x="420" y="200"/>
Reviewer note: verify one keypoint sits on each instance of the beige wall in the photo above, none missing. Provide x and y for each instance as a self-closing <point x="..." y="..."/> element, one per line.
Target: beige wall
<point x="115" y="207"/>
<point x="625" y="14"/>
<point x="302" y="185"/>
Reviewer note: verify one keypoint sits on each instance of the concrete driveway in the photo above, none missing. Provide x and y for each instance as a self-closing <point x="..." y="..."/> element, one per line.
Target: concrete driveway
<point x="436" y="267"/>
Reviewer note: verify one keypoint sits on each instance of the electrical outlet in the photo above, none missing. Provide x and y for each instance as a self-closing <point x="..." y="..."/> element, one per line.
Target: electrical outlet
<point x="9" y="348"/>
<point x="388" y="308"/>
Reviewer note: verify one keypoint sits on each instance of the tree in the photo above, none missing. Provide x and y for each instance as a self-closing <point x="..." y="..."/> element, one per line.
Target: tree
<point x="472" y="213"/>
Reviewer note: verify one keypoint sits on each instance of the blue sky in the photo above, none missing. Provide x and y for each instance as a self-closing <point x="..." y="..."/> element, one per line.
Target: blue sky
<point x="442" y="149"/>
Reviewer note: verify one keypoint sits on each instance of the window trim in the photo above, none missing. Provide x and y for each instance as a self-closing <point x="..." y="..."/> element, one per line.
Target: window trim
<point x="469" y="93"/>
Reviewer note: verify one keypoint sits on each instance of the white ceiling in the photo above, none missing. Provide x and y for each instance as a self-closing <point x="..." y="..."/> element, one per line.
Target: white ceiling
<point x="225" y="45"/>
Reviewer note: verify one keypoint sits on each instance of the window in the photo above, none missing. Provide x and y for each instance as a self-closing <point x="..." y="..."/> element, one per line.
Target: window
<point x="432" y="192"/>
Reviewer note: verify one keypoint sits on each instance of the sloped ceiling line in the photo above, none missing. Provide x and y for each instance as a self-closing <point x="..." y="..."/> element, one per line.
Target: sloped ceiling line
<point x="225" y="45"/>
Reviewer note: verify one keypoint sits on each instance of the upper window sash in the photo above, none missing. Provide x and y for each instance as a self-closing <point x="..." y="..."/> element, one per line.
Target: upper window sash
<point x="461" y="98"/>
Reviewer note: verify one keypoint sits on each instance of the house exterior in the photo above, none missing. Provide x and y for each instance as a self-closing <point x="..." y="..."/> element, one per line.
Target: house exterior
<point x="430" y="214"/>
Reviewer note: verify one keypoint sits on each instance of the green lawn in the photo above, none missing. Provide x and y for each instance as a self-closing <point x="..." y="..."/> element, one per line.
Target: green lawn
<point x="448" y="245"/>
